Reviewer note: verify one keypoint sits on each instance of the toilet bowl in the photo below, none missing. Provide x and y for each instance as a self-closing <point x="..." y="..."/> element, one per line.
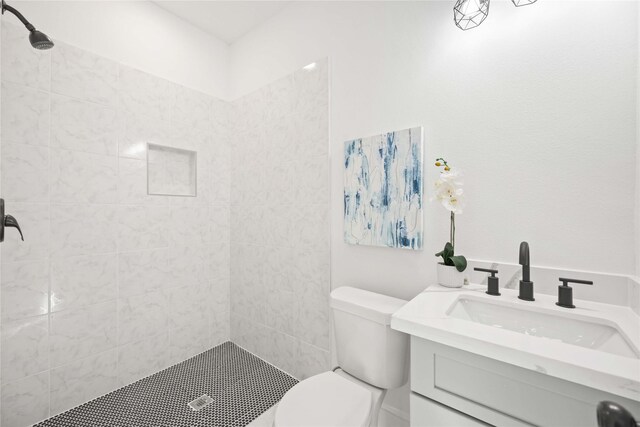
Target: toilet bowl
<point x="328" y="399"/>
<point x="371" y="357"/>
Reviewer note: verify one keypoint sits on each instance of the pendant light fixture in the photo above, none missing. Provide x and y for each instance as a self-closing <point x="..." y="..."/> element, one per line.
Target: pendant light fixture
<point x="519" y="3"/>
<point x="469" y="14"/>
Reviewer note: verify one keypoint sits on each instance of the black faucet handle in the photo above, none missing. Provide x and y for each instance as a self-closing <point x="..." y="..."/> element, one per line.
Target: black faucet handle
<point x="487" y="270"/>
<point x="565" y="282"/>
<point x="565" y="292"/>
<point x="7" y="221"/>
<point x="10" y="221"/>
<point x="492" y="281"/>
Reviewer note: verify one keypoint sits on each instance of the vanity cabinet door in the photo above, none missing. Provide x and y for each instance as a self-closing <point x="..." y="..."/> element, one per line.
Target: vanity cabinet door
<point x="502" y="394"/>
<point x="427" y="413"/>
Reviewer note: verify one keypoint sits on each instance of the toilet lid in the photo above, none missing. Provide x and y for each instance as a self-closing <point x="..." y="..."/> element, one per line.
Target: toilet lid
<point x="324" y="400"/>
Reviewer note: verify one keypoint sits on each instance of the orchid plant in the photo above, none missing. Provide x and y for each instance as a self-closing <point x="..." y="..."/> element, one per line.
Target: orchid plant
<point x="448" y="191"/>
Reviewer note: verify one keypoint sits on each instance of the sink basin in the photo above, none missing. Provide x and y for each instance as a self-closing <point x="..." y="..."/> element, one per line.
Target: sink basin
<point x="582" y="331"/>
<point x="594" y="345"/>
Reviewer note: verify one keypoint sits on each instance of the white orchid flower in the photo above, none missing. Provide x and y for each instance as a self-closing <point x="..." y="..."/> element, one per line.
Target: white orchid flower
<point x="449" y="192"/>
<point x="450" y="196"/>
<point x="454" y="204"/>
<point x="453" y="176"/>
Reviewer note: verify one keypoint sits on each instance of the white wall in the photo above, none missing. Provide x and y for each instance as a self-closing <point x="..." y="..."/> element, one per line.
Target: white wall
<point x="537" y="106"/>
<point x="138" y="34"/>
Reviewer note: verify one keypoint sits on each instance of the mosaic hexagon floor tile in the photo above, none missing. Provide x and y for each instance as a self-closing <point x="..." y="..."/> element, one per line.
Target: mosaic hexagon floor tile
<point x="240" y="385"/>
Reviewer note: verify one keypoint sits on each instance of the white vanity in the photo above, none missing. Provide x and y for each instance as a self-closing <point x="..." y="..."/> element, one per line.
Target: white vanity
<point x="481" y="360"/>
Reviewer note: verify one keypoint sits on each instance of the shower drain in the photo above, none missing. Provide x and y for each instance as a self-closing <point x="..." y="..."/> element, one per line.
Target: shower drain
<point x="200" y="402"/>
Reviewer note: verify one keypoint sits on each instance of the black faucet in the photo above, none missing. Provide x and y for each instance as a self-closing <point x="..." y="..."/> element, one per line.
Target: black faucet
<point x="565" y="292"/>
<point x="493" y="281"/>
<point x="526" y="285"/>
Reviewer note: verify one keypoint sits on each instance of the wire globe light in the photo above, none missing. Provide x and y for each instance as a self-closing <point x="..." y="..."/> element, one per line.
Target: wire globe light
<point x="469" y="14"/>
<point x="519" y="3"/>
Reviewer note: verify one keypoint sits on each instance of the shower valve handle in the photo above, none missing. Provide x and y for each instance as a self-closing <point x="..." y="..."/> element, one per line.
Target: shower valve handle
<point x="7" y="221"/>
<point x="10" y="221"/>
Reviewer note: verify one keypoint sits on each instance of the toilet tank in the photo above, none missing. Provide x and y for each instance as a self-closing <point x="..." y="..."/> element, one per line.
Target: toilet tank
<point x="366" y="346"/>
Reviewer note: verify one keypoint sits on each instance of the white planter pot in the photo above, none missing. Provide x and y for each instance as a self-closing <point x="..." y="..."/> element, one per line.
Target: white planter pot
<point x="450" y="277"/>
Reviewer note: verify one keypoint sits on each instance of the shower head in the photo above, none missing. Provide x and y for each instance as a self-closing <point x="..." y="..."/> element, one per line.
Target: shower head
<point x="36" y="38"/>
<point x="40" y="40"/>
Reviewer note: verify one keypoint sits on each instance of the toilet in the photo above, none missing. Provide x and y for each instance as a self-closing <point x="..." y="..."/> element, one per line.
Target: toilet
<point x="371" y="356"/>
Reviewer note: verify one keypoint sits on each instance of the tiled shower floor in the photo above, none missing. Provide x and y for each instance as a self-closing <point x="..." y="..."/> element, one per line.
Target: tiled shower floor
<point x="242" y="387"/>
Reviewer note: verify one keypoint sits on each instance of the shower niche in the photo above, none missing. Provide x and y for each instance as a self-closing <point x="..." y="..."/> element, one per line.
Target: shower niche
<point x="171" y="171"/>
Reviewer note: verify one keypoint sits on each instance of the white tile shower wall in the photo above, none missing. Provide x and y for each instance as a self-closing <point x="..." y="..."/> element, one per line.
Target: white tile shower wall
<point x="111" y="284"/>
<point x="280" y="272"/>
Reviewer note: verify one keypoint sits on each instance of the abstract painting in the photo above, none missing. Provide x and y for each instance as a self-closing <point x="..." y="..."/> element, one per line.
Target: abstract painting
<point x="383" y="190"/>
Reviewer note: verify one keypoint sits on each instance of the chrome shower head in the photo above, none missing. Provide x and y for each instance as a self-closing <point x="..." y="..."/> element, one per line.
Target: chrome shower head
<point x="40" y="40"/>
<point x="37" y="39"/>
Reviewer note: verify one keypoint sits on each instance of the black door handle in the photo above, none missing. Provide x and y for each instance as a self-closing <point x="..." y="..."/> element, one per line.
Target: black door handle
<point x="7" y="221"/>
<point x="610" y="414"/>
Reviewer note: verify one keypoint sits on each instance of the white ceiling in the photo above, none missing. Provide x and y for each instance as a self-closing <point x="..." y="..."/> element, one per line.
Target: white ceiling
<point x="226" y="20"/>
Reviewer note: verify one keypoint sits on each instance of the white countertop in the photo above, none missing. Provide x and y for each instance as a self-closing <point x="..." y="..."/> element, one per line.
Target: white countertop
<point x="426" y="317"/>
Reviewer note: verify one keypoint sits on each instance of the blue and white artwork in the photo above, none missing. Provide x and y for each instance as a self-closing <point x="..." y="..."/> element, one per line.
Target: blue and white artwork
<point x="383" y="190"/>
